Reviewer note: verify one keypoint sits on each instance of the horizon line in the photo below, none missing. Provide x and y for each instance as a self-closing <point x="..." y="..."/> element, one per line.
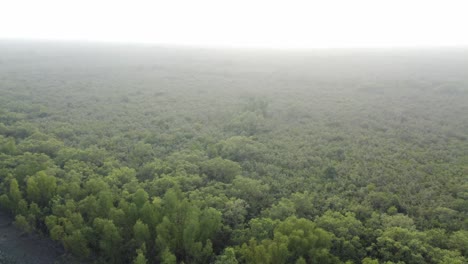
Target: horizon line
<point x="233" y="46"/>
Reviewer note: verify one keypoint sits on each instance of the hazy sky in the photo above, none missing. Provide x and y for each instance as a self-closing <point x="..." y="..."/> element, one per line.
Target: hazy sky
<point x="256" y="23"/>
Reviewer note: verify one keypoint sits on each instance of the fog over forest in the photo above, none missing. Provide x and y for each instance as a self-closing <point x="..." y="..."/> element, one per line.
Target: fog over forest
<point x="113" y="153"/>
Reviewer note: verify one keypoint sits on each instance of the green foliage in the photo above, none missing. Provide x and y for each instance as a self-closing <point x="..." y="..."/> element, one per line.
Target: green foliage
<point x="347" y="233"/>
<point x="459" y="241"/>
<point x="235" y="212"/>
<point x="247" y="123"/>
<point x="369" y="261"/>
<point x="254" y="192"/>
<point x="110" y="239"/>
<point x="8" y="145"/>
<point x="330" y="173"/>
<point x="185" y="230"/>
<point x="399" y="244"/>
<point x="22" y="223"/>
<point x="282" y="210"/>
<point x="141" y="233"/>
<point x="293" y="240"/>
<point x="222" y="170"/>
<point x="239" y="148"/>
<point x="228" y="257"/>
<point x="77" y="244"/>
<point x="283" y="165"/>
<point x="140" y="258"/>
<point x="41" y="187"/>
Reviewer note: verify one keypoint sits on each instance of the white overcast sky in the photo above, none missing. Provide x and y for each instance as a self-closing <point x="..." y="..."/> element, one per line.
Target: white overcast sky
<point x="242" y="23"/>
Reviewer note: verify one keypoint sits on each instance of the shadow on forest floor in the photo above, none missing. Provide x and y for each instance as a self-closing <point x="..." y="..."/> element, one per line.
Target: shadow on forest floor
<point x="17" y="247"/>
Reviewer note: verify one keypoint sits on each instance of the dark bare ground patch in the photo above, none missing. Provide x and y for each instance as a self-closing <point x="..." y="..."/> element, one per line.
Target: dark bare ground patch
<point x="17" y="247"/>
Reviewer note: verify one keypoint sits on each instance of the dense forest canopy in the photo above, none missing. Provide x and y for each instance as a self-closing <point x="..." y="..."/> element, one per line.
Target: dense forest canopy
<point x="138" y="154"/>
